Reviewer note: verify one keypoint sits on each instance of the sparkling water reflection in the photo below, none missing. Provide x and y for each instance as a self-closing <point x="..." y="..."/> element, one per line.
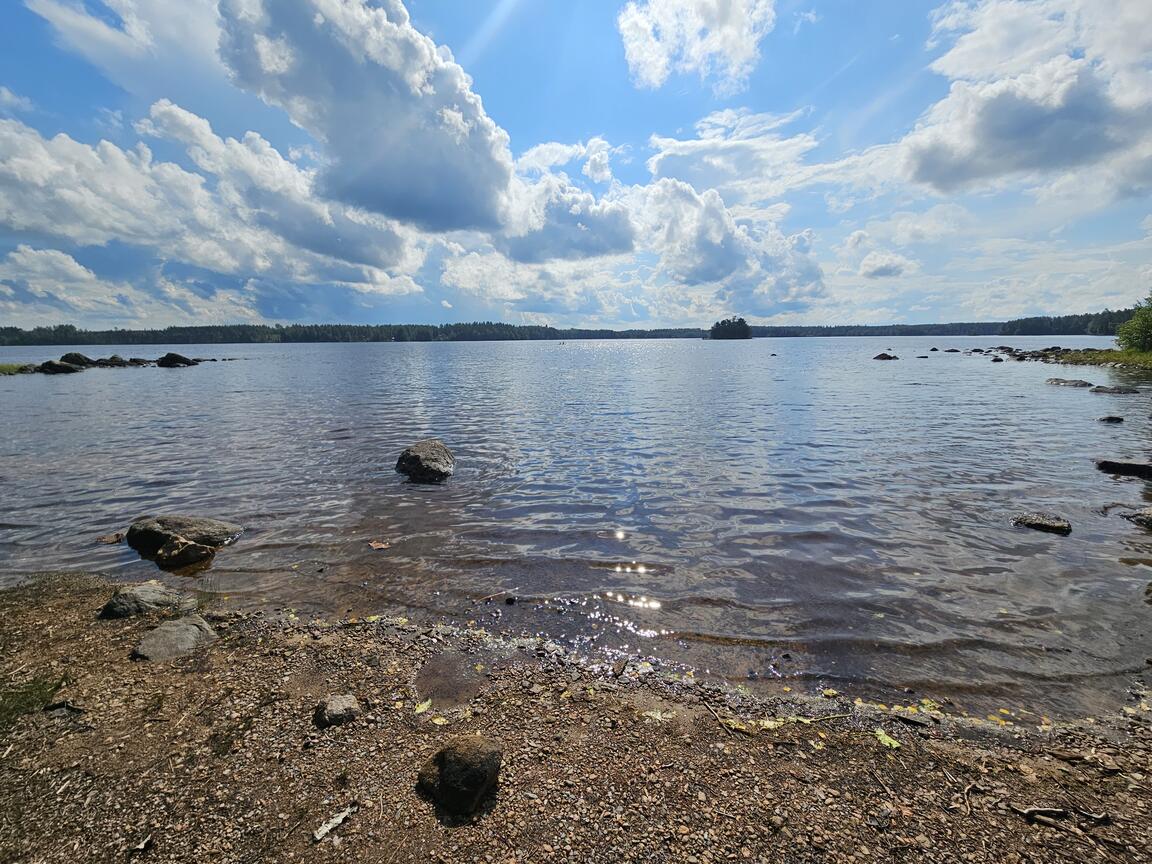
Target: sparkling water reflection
<point x="810" y="516"/>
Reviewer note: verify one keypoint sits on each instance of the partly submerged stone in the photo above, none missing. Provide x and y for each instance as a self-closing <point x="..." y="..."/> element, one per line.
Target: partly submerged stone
<point x="174" y="639"/>
<point x="75" y="358"/>
<point x="1125" y="469"/>
<point x="462" y="773"/>
<point x="55" y="367"/>
<point x="174" y="542"/>
<point x="1111" y="419"/>
<point x="885" y="356"/>
<point x="1115" y="391"/>
<point x="172" y="360"/>
<point x="144" y="598"/>
<point x="336" y="711"/>
<point x="1068" y="382"/>
<point x="1143" y="518"/>
<point x="427" y="461"/>
<point x="1049" y="522"/>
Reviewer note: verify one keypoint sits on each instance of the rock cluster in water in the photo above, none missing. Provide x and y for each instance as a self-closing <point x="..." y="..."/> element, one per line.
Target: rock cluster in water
<point x="74" y="361"/>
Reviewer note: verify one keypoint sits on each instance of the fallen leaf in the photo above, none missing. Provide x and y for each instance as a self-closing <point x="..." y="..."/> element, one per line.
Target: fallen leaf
<point x="423" y="706"/>
<point x="439" y="721"/>
<point x="378" y="544"/>
<point x="831" y="694"/>
<point x="887" y="740"/>
<point x="660" y="716"/>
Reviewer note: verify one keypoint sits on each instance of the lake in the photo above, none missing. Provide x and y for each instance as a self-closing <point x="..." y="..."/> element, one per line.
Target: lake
<point x="779" y="512"/>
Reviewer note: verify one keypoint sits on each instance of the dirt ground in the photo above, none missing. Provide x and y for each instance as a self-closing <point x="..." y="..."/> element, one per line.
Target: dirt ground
<point x="215" y="758"/>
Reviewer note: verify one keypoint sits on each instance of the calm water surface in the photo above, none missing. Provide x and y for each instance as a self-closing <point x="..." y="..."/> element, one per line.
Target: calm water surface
<point x="770" y="511"/>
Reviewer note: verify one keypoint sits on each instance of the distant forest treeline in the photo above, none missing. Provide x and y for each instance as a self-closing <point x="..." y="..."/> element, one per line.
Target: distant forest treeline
<point x="1098" y="324"/>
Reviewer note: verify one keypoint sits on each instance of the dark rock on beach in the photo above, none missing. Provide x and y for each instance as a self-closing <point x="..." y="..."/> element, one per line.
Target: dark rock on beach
<point x="1049" y="522"/>
<point x="56" y="367"/>
<point x="428" y="461"/>
<point x="1068" y="382"/>
<point x="885" y="356"/>
<point x="174" y="361"/>
<point x="1125" y="469"/>
<point x="336" y="711"/>
<point x="460" y="775"/>
<point x="174" y="639"/>
<point x="1115" y="391"/>
<point x="146" y="598"/>
<point x="174" y="542"/>
<point x="75" y="358"/>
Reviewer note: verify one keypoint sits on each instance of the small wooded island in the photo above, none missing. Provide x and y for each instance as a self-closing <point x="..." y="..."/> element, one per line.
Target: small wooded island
<point x="730" y="328"/>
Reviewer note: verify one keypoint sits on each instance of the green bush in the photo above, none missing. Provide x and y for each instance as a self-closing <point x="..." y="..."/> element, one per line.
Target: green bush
<point x="1136" y="333"/>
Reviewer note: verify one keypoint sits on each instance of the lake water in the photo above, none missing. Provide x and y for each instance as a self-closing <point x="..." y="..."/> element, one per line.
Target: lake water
<point x="775" y="512"/>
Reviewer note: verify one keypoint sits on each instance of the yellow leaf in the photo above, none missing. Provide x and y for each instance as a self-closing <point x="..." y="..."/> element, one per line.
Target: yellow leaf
<point x="660" y="716"/>
<point x="423" y="706"/>
<point x="886" y="739"/>
<point x="830" y="693"/>
<point x="439" y="721"/>
<point x="372" y="619"/>
<point x="771" y="722"/>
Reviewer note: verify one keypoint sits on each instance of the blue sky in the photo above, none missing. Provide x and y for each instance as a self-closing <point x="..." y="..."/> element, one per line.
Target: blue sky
<point x="645" y="163"/>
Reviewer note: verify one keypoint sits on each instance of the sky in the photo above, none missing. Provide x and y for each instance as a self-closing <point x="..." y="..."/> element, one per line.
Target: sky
<point x="647" y="163"/>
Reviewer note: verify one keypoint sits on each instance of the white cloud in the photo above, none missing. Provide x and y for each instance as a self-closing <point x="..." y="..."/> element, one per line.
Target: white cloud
<point x="717" y="39"/>
<point x="10" y="102"/>
<point x="551" y="218"/>
<point x="884" y="265"/>
<point x="404" y="134"/>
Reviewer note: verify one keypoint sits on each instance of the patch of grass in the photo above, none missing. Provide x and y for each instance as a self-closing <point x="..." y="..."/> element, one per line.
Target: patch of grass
<point x="1137" y="359"/>
<point x="27" y="699"/>
<point x="10" y="368"/>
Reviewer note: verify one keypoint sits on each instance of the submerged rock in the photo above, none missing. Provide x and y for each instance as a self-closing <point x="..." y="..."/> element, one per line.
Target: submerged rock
<point x="174" y="639"/>
<point x="1049" y="522"/>
<point x="460" y="775"/>
<point x="336" y="711"/>
<point x="1068" y="382"/>
<point x="56" y="367"/>
<point x="884" y="356"/>
<point x="1143" y="518"/>
<point x="997" y="359"/>
<point x="1111" y="419"/>
<point x="115" y="362"/>
<point x="174" y="542"/>
<point x="428" y="461"/>
<point x="172" y="360"/>
<point x="75" y="358"/>
<point x="144" y="598"/>
<point x="1125" y="469"/>
<point x="1115" y="391"/>
<point x="139" y="361"/>
<point x="951" y="350"/>
<point x="933" y="349"/>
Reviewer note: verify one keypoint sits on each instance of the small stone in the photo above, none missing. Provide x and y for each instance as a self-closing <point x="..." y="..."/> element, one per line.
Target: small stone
<point x="1111" y="419"/>
<point x="1049" y="522"/>
<point x="174" y="639"/>
<point x="428" y="461"/>
<point x="336" y="711"/>
<point x="885" y="356"/>
<point x="148" y="597"/>
<point x="462" y="773"/>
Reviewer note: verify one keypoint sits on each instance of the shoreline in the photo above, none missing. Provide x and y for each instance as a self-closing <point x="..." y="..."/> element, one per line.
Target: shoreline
<point x="214" y="756"/>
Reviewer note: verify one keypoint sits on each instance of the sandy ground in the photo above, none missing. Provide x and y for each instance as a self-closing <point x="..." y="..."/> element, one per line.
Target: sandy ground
<point x="214" y="757"/>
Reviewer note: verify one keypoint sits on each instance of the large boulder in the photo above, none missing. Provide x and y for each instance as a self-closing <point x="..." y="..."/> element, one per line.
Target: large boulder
<point x="114" y="362"/>
<point x="462" y="773"/>
<point x="172" y="360"/>
<point x="174" y="639"/>
<point x="55" y="367"/>
<point x="145" y="598"/>
<point x="428" y="461"/>
<point x="1049" y="522"/>
<point x="174" y="542"/>
<point x="75" y="358"/>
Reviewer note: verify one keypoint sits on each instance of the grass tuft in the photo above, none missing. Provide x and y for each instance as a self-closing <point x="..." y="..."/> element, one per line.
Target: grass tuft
<point x="10" y="368"/>
<point x="27" y="698"/>
<point x="1137" y="359"/>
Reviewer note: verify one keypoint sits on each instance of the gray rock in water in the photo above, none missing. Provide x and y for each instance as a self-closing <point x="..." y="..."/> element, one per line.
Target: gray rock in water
<point x="174" y="639"/>
<point x="75" y="358"/>
<point x="428" y="461"/>
<point x="951" y="350"/>
<point x="114" y="362"/>
<point x="1068" y="382"/>
<point x="171" y="360"/>
<point x="460" y="775"/>
<point x="1115" y="391"/>
<point x="1125" y="469"/>
<point x="55" y="367"/>
<point x="997" y="359"/>
<point x="1111" y="419"/>
<point x="1049" y="522"/>
<point x="1143" y="518"/>
<point x="884" y="356"/>
<point x="139" y="361"/>
<point x="336" y="711"/>
<point x="174" y="542"/>
<point x="142" y="599"/>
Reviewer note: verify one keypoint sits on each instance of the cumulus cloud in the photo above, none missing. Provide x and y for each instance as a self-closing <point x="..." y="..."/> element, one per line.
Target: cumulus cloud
<point x="717" y="39"/>
<point x="554" y="219"/>
<point x="10" y="102"/>
<point x="884" y="265"/>
<point x="404" y="135"/>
